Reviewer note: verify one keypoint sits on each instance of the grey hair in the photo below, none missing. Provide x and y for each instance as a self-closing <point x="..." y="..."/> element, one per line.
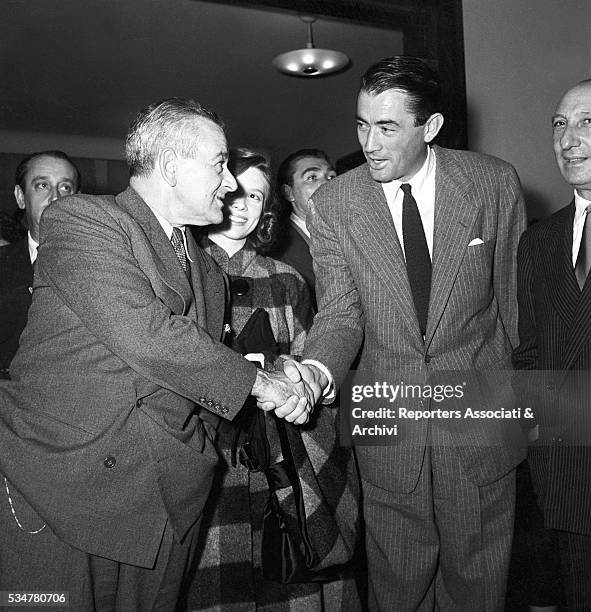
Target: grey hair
<point x="169" y="123"/>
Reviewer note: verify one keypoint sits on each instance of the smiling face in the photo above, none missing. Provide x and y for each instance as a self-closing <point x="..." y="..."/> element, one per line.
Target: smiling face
<point x="203" y="181"/>
<point x="244" y="207"/>
<point x="47" y="179"/>
<point x="394" y="147"/>
<point x="571" y="126"/>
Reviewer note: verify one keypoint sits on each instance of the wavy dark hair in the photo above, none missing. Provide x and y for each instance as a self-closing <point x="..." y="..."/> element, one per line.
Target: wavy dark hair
<point x="411" y="75"/>
<point x="266" y="233"/>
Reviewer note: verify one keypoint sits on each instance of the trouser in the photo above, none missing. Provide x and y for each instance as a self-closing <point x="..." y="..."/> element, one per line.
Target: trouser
<point x="33" y="559"/>
<point x="444" y="546"/>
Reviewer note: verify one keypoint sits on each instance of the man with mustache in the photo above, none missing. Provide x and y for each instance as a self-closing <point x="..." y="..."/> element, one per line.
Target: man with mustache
<point x="107" y="456"/>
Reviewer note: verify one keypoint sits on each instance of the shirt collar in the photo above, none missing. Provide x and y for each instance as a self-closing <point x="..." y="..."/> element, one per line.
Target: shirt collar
<point x="301" y="223"/>
<point x="167" y="227"/>
<point x="33" y="246"/>
<point x="580" y="205"/>
<point x="417" y="182"/>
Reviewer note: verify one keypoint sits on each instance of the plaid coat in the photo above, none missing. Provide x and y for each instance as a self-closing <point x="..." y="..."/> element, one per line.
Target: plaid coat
<point x="228" y="575"/>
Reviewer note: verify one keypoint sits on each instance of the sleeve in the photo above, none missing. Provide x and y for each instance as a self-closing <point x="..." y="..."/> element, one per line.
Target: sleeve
<point x="525" y="355"/>
<point x="90" y="261"/>
<point x="337" y="332"/>
<point x="512" y="223"/>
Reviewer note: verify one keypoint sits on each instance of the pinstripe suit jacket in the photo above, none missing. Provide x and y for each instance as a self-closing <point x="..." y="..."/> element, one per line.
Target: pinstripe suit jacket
<point x="98" y="428"/>
<point x="364" y="295"/>
<point x="555" y="336"/>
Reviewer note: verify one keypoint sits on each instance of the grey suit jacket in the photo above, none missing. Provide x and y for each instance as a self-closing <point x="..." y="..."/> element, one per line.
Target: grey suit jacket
<point x="99" y="428"/>
<point x="364" y="295"/>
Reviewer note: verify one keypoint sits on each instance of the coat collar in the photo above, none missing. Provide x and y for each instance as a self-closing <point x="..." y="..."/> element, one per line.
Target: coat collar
<point x="207" y="292"/>
<point x="571" y="304"/>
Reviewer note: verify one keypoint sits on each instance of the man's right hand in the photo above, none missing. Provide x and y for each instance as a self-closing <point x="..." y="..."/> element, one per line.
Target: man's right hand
<point x="291" y="398"/>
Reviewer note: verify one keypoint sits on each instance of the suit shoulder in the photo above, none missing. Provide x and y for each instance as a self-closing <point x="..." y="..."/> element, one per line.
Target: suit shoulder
<point x="342" y="187"/>
<point x="540" y="229"/>
<point x="473" y="160"/>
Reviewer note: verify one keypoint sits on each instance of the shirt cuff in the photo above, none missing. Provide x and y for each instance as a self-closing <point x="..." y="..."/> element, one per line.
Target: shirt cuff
<point x="329" y="394"/>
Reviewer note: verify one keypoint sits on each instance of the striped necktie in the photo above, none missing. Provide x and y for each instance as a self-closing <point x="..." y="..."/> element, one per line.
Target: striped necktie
<point x="178" y="244"/>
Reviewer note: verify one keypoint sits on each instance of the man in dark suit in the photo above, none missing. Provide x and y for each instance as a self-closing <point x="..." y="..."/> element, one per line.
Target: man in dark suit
<point x="106" y="461"/>
<point x="554" y="294"/>
<point x="299" y="176"/>
<point x="41" y="179"/>
<point x="414" y="254"/>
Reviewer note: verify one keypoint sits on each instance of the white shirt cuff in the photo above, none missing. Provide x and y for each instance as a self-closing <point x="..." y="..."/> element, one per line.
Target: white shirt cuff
<point x="329" y="394"/>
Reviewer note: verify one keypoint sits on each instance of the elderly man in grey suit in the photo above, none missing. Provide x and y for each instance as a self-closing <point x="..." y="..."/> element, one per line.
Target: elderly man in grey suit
<point x="414" y="254"/>
<point x="107" y="456"/>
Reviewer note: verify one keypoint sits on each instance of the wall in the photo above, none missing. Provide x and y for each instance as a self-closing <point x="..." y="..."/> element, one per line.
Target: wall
<point x="521" y="55"/>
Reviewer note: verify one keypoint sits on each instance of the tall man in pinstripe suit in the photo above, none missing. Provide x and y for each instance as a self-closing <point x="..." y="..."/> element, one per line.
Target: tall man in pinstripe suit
<point x="554" y="294"/>
<point x="438" y="497"/>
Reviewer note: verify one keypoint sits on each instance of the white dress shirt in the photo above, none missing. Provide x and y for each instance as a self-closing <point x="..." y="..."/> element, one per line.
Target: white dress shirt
<point x="33" y="246"/>
<point x="578" y="223"/>
<point x="422" y="186"/>
<point x="167" y="227"/>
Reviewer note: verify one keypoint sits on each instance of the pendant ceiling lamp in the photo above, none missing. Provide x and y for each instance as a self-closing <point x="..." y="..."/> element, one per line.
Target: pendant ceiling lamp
<point x="310" y="62"/>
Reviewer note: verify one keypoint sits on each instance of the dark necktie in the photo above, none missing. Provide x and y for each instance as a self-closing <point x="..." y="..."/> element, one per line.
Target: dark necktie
<point x="583" y="262"/>
<point x="178" y="244"/>
<point x="418" y="261"/>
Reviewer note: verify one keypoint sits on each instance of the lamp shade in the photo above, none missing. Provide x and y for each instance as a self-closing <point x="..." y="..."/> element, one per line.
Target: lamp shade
<point x="310" y="62"/>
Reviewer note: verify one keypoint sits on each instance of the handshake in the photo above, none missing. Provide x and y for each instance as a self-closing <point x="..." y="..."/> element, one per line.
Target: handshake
<point x="292" y="393"/>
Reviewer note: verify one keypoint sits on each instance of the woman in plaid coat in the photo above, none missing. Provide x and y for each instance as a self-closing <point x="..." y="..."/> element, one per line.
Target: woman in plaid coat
<point x="229" y="576"/>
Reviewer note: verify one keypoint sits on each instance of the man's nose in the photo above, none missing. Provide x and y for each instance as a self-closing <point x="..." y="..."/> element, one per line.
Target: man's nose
<point x="372" y="142"/>
<point x="570" y="138"/>
<point x="229" y="181"/>
<point x="54" y="194"/>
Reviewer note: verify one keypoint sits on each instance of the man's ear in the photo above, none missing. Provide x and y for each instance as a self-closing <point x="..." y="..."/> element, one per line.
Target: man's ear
<point x="432" y="127"/>
<point x="168" y="166"/>
<point x="287" y="192"/>
<point x="19" y="196"/>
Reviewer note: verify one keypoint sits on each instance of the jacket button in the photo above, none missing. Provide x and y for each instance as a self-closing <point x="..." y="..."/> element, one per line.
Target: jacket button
<point x="202" y="400"/>
<point x="427" y="358"/>
<point x="139" y="403"/>
<point x="109" y="462"/>
<point x="225" y="410"/>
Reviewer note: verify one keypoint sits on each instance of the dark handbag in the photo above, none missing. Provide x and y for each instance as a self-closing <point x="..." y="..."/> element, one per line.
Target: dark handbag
<point x="310" y="522"/>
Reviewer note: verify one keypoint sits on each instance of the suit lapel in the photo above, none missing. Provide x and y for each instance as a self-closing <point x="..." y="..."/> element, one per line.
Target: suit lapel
<point x="570" y="302"/>
<point x="209" y="289"/>
<point x="165" y="258"/>
<point x="563" y="288"/>
<point x="373" y="230"/>
<point x="455" y="215"/>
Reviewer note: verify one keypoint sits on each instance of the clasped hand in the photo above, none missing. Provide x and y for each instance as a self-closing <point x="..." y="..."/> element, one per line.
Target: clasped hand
<point x="292" y="394"/>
